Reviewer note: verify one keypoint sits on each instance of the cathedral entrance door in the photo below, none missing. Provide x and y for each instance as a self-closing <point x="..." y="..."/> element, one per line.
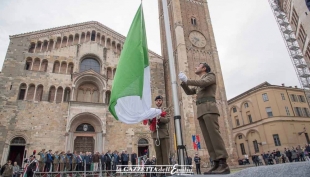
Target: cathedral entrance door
<point x="143" y="147"/>
<point x="84" y="144"/>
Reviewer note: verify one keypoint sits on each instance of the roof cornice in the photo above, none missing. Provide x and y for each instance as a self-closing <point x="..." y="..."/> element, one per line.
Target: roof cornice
<point x="263" y="86"/>
<point x="77" y="26"/>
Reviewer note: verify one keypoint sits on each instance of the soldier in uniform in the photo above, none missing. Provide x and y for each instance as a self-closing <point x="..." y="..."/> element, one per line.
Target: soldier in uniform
<point x="42" y="160"/>
<point x="32" y="166"/>
<point x="55" y="161"/>
<point x="62" y="160"/>
<point x="74" y="161"/>
<point x="207" y="113"/>
<point x="161" y="134"/>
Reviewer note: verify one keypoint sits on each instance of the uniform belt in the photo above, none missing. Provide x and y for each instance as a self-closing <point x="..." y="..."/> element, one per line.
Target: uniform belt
<point x="205" y="99"/>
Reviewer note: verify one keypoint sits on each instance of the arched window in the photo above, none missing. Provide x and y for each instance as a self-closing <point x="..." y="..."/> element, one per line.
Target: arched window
<point x="64" y="41"/>
<point x="102" y="40"/>
<point x="51" y="44"/>
<point x="22" y="91"/>
<point x="38" y="48"/>
<point x="76" y="39"/>
<point x="87" y="36"/>
<point x="90" y="63"/>
<point x="51" y="94"/>
<point x="114" y="71"/>
<point x="234" y="109"/>
<point x="31" y="48"/>
<point x="85" y="128"/>
<point x="36" y="64"/>
<point x="56" y="67"/>
<point x="39" y="93"/>
<point x="142" y="141"/>
<point x="246" y="105"/>
<point x="18" y="140"/>
<point x="63" y="67"/>
<point x="109" y="73"/>
<point x="83" y="37"/>
<point x="44" y="47"/>
<point x="67" y="95"/>
<point x="28" y="63"/>
<point x="193" y="21"/>
<point x="70" y="68"/>
<point x="44" y="65"/>
<point x="98" y="38"/>
<point x="107" y="96"/>
<point x="57" y="45"/>
<point x="93" y="35"/>
<point x="59" y="95"/>
<point x="70" y="41"/>
<point x="30" y="92"/>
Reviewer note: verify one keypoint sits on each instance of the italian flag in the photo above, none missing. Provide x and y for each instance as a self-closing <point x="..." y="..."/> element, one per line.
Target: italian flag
<point x="131" y="90"/>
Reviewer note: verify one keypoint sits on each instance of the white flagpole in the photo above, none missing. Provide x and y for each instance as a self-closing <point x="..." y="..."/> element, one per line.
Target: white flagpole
<point x="177" y="116"/>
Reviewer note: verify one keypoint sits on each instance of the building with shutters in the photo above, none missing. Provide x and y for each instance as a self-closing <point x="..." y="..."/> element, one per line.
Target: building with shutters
<point x="269" y="117"/>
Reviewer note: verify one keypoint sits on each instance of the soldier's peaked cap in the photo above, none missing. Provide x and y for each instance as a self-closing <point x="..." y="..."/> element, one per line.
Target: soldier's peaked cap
<point x="158" y="97"/>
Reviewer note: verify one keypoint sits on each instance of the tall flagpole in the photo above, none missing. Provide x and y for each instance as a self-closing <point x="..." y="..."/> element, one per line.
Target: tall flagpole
<point x="177" y="116"/>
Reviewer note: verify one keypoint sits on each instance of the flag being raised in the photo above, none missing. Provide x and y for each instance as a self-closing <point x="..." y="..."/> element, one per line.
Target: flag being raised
<point x="131" y="90"/>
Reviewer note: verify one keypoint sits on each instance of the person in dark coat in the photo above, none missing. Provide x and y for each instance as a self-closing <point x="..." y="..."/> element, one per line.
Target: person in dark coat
<point x="103" y="161"/>
<point x="108" y="157"/>
<point x="133" y="158"/>
<point x="124" y="159"/>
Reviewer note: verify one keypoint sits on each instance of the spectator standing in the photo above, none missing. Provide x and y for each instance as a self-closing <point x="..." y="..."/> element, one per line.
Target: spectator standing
<point x="197" y="162"/>
<point x="16" y="170"/>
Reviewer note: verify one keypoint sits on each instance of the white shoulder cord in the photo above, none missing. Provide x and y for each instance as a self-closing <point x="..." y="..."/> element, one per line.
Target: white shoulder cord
<point x="157" y="141"/>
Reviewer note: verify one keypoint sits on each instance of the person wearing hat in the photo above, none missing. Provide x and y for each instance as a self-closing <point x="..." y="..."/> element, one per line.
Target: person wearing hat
<point x="42" y="160"/>
<point x="160" y="134"/>
<point x="32" y="166"/>
<point x="207" y="114"/>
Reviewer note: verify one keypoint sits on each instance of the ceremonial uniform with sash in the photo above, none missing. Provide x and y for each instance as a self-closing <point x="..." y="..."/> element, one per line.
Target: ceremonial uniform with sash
<point x="161" y="137"/>
<point x="31" y="166"/>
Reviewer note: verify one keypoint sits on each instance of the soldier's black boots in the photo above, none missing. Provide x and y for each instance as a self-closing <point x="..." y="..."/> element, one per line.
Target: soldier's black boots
<point x="216" y="165"/>
<point x="223" y="168"/>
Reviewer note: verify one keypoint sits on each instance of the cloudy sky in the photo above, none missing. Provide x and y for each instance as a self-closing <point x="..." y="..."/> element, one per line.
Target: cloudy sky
<point x="250" y="45"/>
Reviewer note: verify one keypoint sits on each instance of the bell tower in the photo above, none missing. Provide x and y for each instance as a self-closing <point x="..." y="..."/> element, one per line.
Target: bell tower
<point x="193" y="42"/>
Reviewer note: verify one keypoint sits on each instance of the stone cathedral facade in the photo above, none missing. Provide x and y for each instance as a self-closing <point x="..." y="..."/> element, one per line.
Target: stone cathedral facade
<point x="55" y="88"/>
<point x="56" y="83"/>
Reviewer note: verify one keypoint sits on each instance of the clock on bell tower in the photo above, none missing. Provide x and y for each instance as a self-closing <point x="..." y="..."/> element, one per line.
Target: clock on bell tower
<point x="193" y="42"/>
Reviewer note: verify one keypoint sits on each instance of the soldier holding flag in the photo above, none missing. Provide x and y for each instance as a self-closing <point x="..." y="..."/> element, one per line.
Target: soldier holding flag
<point x="208" y="113"/>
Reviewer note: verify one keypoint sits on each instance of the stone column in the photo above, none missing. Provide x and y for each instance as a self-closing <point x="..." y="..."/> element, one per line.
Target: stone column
<point x="35" y="47"/>
<point x="103" y="140"/>
<point x="80" y="35"/>
<point x="72" y="93"/>
<point x="247" y="142"/>
<point x="55" y="94"/>
<point x="35" y="92"/>
<point x="5" y="154"/>
<point x="69" y="140"/>
<point x="25" y="97"/>
<point x="40" y="65"/>
<point x="99" y="142"/>
<point x="48" y="43"/>
<point x="63" y="93"/>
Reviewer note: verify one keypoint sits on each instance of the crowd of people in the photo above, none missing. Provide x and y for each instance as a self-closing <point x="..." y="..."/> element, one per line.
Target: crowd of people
<point x="293" y="154"/>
